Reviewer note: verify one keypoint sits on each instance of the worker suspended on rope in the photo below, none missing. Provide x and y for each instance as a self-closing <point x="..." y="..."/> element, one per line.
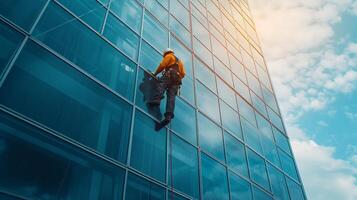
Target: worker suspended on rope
<point x="173" y="72"/>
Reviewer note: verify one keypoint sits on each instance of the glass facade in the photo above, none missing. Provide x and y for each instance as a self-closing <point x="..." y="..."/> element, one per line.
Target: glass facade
<point x="74" y="125"/>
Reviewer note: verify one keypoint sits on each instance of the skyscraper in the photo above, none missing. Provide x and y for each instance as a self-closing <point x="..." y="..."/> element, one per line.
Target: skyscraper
<point x="73" y="124"/>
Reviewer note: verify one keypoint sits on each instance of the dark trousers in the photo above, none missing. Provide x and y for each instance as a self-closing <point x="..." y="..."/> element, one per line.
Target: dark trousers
<point x="171" y="90"/>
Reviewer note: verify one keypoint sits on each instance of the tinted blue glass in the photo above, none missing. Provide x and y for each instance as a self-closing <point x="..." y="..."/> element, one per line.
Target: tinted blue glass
<point x="201" y="32"/>
<point x="184" y="175"/>
<point x="227" y="94"/>
<point x="141" y="99"/>
<point x="185" y="121"/>
<point x="210" y="137"/>
<point x="90" y="11"/>
<point x="270" y="99"/>
<point x="213" y="173"/>
<point x="259" y="105"/>
<point x="155" y="33"/>
<point x="260" y="195"/>
<point x="180" y="31"/>
<point x="10" y="41"/>
<point x="149" y="57"/>
<point x="203" y="53"/>
<point x="164" y="3"/>
<point x="240" y="188"/>
<point x="254" y="84"/>
<point x="251" y="136"/>
<point x="21" y="12"/>
<point x="279" y="189"/>
<point x="241" y="88"/>
<point x="238" y="69"/>
<point x="140" y="189"/>
<point x="61" y="32"/>
<point x="288" y="164"/>
<point x="180" y="12"/>
<point x="73" y="105"/>
<point x="171" y="195"/>
<point x="5" y="196"/>
<point x="129" y="12"/>
<point x="275" y="119"/>
<point x="198" y="11"/>
<point x="148" y="153"/>
<point x="246" y="110"/>
<point x="230" y="120"/>
<point x="223" y="71"/>
<point x="207" y="101"/>
<point x="205" y="75"/>
<point x="235" y="154"/>
<point x="281" y="140"/>
<point x="121" y="36"/>
<point x="37" y="166"/>
<point x="257" y="169"/>
<point x="186" y="90"/>
<point x="183" y="54"/>
<point x="220" y="51"/>
<point x="158" y="11"/>
<point x="295" y="190"/>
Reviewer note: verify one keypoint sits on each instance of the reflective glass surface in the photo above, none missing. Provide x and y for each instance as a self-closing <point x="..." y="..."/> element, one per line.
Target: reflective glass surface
<point x="155" y="33"/>
<point x="158" y="11"/>
<point x="246" y="110"/>
<point x="240" y="189"/>
<point x="93" y="116"/>
<point x="210" y="137"/>
<point x="257" y="169"/>
<point x="279" y="189"/>
<point x="281" y="140"/>
<point x="10" y="41"/>
<point x="149" y="57"/>
<point x="288" y="164"/>
<point x="295" y="190"/>
<point x="235" y="155"/>
<point x="230" y="120"/>
<point x="184" y="163"/>
<point x="22" y="12"/>
<point x="148" y="151"/>
<point x="180" y="12"/>
<point x="66" y="35"/>
<point x="207" y="101"/>
<point x="141" y="189"/>
<point x="180" y="31"/>
<point x="183" y="54"/>
<point x="259" y="194"/>
<point x="213" y="173"/>
<point x="42" y="167"/>
<point x="227" y="94"/>
<point x="129" y="12"/>
<point x="251" y="136"/>
<point x="205" y="75"/>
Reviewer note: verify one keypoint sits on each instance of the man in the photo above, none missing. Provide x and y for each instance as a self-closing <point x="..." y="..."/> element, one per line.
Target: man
<point x="173" y="72"/>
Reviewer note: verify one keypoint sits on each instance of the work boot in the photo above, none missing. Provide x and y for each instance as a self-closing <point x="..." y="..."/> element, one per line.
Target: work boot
<point x="163" y="123"/>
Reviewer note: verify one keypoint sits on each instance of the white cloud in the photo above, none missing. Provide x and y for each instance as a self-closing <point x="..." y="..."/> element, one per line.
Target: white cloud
<point x="307" y="73"/>
<point x="350" y="115"/>
<point x="322" y="123"/>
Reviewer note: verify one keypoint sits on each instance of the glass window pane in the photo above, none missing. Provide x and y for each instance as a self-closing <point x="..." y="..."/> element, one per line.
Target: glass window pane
<point x="201" y="32"/>
<point x="129" y="12"/>
<point x="288" y="164"/>
<point x="184" y="167"/>
<point x="275" y="119"/>
<point x="259" y="105"/>
<point x="227" y="94"/>
<point x="121" y="36"/>
<point x="183" y="54"/>
<point x="148" y="153"/>
<point x="186" y="90"/>
<point x="267" y="140"/>
<point x="180" y="13"/>
<point x="241" y="88"/>
<point x="295" y="190"/>
<point x="39" y="166"/>
<point x="230" y="120"/>
<point x="207" y="102"/>
<point x="246" y="110"/>
<point x="260" y="195"/>
<point x="164" y="3"/>
<point x="21" y="12"/>
<point x="254" y="84"/>
<point x="213" y="173"/>
<point x="210" y="137"/>
<point x="270" y="99"/>
<point x="235" y="154"/>
<point x="220" y="51"/>
<point x="205" y="75"/>
<point x="92" y="115"/>
<point x="155" y="33"/>
<point x="257" y="169"/>
<point x="141" y="189"/>
<point x="197" y="10"/>
<point x="158" y="11"/>
<point x="10" y="40"/>
<point x="223" y="71"/>
<point x="278" y="184"/>
<point x="184" y="122"/>
<point x="86" y="49"/>
<point x="240" y="188"/>
<point x="251" y="136"/>
<point x="238" y="69"/>
<point x="180" y="31"/>
<point x="203" y="53"/>
<point x="90" y="11"/>
<point x="281" y="140"/>
<point x="149" y="57"/>
<point x="248" y="62"/>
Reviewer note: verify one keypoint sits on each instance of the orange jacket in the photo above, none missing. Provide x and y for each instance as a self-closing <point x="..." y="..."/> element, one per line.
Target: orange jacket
<point x="169" y="60"/>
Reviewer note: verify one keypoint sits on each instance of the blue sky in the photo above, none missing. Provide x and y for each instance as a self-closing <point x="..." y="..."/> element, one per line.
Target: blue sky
<point x="311" y="51"/>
